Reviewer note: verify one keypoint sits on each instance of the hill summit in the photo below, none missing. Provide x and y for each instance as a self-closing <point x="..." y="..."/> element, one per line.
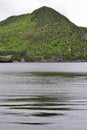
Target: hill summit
<point x="43" y="35"/>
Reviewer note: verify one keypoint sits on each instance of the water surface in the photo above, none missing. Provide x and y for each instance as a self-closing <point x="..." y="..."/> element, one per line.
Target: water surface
<point x="37" y="96"/>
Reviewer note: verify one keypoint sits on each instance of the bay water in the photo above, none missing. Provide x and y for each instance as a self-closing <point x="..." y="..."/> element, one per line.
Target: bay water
<point x="42" y="96"/>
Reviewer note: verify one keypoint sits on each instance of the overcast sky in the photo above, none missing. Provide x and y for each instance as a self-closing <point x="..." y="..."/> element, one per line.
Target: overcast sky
<point x="75" y="10"/>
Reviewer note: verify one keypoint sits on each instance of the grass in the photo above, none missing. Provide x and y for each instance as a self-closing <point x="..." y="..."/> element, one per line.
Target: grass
<point x="43" y="35"/>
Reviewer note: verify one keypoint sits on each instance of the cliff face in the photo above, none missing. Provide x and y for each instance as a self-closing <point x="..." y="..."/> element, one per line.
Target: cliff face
<point x="43" y="35"/>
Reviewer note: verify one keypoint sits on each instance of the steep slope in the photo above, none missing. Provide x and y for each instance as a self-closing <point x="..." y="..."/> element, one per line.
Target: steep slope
<point x="44" y="35"/>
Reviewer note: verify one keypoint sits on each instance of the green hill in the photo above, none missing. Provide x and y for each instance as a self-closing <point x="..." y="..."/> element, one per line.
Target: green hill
<point x="43" y="35"/>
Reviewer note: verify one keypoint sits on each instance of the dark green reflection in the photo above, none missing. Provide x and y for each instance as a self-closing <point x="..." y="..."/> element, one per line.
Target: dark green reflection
<point x="63" y="74"/>
<point x="39" y="99"/>
<point x="45" y="114"/>
<point x="41" y="102"/>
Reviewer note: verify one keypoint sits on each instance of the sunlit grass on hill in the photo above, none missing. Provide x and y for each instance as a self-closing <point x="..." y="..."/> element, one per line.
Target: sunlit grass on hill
<point x="43" y="35"/>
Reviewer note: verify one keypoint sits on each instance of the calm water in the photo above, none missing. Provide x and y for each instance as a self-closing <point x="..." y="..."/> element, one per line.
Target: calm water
<point x="37" y="96"/>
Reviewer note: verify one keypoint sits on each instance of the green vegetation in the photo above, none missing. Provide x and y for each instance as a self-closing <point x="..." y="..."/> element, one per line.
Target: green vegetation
<point x="44" y="35"/>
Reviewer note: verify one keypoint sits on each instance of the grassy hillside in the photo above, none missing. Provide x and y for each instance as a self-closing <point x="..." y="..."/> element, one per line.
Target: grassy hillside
<point x="43" y="35"/>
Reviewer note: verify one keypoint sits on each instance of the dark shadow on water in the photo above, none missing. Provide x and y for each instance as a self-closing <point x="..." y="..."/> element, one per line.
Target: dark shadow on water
<point x="27" y="123"/>
<point x="41" y="99"/>
<point x="30" y="123"/>
<point x="41" y="102"/>
<point x="42" y="106"/>
<point x="44" y="114"/>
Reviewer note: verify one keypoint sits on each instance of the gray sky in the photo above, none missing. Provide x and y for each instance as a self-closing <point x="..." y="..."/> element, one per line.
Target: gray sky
<point x="75" y="10"/>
